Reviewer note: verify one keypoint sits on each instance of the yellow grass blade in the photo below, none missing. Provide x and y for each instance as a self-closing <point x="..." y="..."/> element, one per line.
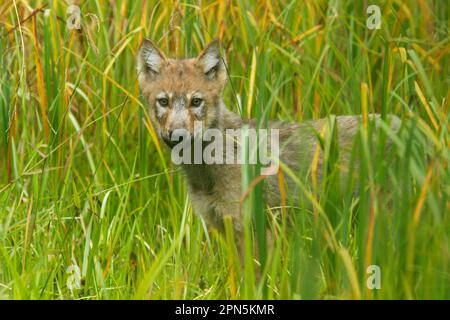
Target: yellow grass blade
<point x="251" y="85"/>
<point x="426" y="105"/>
<point x="351" y="273"/>
<point x="40" y="79"/>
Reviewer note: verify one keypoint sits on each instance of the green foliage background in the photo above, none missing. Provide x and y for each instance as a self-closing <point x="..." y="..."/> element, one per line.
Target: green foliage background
<point x="85" y="185"/>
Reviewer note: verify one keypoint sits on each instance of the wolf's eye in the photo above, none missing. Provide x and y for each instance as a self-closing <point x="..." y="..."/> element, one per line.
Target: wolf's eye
<point x="196" y="102"/>
<point x="163" y="102"/>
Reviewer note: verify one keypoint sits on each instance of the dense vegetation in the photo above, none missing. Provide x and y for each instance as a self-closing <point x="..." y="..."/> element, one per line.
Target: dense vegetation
<point x="88" y="193"/>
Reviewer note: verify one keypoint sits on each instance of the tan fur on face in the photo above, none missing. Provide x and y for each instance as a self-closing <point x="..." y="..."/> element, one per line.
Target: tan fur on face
<point x="180" y="78"/>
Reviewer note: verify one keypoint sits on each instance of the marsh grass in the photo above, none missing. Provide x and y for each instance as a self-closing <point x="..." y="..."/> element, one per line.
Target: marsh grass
<point x="85" y="184"/>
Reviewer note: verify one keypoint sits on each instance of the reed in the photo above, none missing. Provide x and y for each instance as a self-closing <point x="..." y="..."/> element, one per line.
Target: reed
<point x="86" y="187"/>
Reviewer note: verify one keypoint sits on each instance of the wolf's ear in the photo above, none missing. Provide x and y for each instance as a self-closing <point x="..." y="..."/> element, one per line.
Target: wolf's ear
<point x="150" y="58"/>
<point x="211" y="62"/>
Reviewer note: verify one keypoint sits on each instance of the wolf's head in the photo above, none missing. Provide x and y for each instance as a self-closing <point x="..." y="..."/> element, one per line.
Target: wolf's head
<point x="181" y="92"/>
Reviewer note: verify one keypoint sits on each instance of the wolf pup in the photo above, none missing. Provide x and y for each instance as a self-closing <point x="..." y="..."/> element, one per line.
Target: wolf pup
<point x="182" y="92"/>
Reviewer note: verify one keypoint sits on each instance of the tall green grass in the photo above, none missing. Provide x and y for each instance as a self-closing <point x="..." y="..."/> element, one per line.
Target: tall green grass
<point x="85" y="184"/>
